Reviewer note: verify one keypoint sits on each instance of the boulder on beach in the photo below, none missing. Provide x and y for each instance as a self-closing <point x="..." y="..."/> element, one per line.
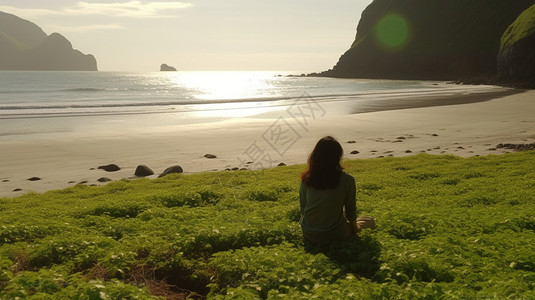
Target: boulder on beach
<point x="171" y="170"/>
<point x="109" y="168"/>
<point x="142" y="171"/>
<point x="34" y="178"/>
<point x="103" y="179"/>
<point x="210" y="156"/>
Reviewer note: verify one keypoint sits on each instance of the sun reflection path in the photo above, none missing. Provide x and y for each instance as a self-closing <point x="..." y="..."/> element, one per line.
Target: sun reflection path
<point x="223" y="85"/>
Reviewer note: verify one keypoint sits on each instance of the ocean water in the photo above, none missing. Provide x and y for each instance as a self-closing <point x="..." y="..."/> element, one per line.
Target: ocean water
<point x="28" y="94"/>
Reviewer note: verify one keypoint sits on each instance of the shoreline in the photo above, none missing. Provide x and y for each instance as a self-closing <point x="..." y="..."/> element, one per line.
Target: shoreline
<point x="65" y="158"/>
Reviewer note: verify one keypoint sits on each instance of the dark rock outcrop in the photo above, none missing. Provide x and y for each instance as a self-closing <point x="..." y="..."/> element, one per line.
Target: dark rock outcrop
<point x="167" y="68"/>
<point x="142" y="171"/>
<point x="24" y="46"/>
<point x="109" y="168"/>
<point x="517" y="147"/>
<point x="516" y="59"/>
<point x="171" y="170"/>
<point x="428" y="39"/>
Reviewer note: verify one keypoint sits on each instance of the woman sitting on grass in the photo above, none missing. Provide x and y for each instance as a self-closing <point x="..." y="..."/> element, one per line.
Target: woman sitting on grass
<point x="327" y="197"/>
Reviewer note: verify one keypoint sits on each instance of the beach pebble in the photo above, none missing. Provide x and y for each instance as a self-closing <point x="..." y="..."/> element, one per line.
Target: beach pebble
<point x="281" y="164"/>
<point x="143" y="171"/>
<point x="210" y="156"/>
<point x="34" y="178"/>
<point x="5" y="180"/>
<point x="460" y="147"/>
<point x="355" y="152"/>
<point x="109" y="168"/>
<point x="401" y="138"/>
<point x="235" y="169"/>
<point x="103" y="179"/>
<point x="351" y="142"/>
<point x="171" y="170"/>
<point x="17" y="190"/>
<point x="434" y="134"/>
<point x="72" y="181"/>
<point x="82" y="182"/>
<point x="408" y="151"/>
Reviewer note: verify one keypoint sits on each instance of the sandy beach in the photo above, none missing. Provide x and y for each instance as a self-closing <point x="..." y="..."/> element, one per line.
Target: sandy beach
<point x="474" y="126"/>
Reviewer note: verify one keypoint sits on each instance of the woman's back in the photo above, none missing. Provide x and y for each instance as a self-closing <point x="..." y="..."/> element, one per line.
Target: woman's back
<point x="325" y="212"/>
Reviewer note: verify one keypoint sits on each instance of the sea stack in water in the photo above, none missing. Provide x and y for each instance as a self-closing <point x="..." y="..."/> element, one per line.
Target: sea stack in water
<point x="167" y="68"/>
<point x="516" y="59"/>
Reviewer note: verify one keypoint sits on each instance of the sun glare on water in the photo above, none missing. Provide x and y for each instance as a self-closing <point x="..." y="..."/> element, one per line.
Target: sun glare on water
<point x="240" y="87"/>
<point x="226" y="85"/>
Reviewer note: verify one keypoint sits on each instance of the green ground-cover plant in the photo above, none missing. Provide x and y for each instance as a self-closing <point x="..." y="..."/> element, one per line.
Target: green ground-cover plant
<point x="447" y="227"/>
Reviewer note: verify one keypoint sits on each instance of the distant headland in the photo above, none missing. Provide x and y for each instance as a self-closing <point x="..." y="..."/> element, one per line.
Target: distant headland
<point x="443" y="40"/>
<point x="25" y="46"/>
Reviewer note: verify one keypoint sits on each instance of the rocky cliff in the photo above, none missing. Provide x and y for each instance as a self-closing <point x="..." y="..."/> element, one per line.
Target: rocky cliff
<point x="24" y="46"/>
<point x="516" y="59"/>
<point x="428" y="39"/>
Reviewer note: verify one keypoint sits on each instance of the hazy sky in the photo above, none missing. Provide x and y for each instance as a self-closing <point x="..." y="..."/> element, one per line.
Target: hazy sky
<point x="124" y="35"/>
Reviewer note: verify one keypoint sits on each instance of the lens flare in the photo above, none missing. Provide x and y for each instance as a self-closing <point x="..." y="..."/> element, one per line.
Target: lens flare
<point x="392" y="31"/>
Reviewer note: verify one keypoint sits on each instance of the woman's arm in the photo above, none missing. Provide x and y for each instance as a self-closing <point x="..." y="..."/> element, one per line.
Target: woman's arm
<point x="355" y="226"/>
<point x="350" y="202"/>
<point x="302" y="198"/>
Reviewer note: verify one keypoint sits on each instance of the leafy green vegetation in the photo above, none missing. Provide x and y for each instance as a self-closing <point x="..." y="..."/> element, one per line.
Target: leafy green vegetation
<point x="448" y="227"/>
<point x="524" y="26"/>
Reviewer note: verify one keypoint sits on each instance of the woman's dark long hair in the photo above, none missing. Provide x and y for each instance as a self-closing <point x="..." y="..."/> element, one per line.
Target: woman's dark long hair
<point x="324" y="169"/>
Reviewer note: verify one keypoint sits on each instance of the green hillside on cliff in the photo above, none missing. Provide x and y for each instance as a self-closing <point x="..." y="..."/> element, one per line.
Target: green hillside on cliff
<point x="523" y="27"/>
<point x="428" y="39"/>
<point x="516" y="59"/>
